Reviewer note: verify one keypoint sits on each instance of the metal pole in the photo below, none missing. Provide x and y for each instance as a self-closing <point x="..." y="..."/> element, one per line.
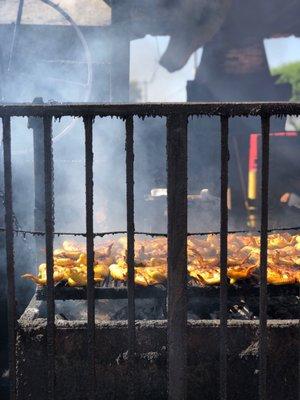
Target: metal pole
<point x="177" y="256"/>
<point x="49" y="225"/>
<point x="223" y="258"/>
<point x="263" y="304"/>
<point x="130" y="253"/>
<point x="36" y="124"/>
<point x="10" y="259"/>
<point x="89" y="157"/>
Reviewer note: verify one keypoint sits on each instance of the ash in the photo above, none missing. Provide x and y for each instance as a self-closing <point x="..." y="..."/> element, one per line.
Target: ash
<point x="282" y="307"/>
<point x="112" y="310"/>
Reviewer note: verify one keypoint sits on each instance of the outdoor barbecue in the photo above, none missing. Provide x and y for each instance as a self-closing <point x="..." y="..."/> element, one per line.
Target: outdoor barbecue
<point x="149" y="200"/>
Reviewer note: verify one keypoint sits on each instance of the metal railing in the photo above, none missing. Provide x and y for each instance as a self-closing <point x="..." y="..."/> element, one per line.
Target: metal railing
<point x="177" y="123"/>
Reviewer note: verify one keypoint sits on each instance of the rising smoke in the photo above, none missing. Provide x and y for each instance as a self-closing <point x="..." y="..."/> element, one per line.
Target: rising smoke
<point x="59" y="65"/>
<point x="55" y="64"/>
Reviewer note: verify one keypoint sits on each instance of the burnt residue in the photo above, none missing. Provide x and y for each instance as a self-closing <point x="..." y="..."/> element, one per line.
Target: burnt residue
<point x="58" y="110"/>
<point x="151" y="359"/>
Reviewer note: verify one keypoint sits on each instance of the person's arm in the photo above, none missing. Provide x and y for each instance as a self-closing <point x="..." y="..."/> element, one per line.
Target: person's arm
<point x="291" y="199"/>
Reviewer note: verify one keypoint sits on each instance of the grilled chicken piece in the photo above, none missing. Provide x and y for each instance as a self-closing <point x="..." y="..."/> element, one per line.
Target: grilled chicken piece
<point x="118" y="272"/>
<point x="277" y="277"/>
<point x="203" y="260"/>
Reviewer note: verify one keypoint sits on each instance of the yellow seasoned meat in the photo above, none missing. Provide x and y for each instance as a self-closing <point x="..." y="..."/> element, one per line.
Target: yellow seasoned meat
<point x="243" y="260"/>
<point x="61" y="253"/>
<point x="63" y="262"/>
<point x="81" y="260"/>
<point x="276" y="277"/>
<point x="101" y="271"/>
<point x="240" y="271"/>
<point x="75" y="276"/>
<point x="203" y="276"/>
<point x="118" y="272"/>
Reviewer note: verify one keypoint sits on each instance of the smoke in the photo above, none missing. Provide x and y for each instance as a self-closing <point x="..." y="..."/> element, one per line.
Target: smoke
<point x="53" y="63"/>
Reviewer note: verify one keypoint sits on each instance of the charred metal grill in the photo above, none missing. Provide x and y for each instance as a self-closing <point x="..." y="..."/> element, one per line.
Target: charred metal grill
<point x="177" y="122"/>
<point x="111" y="291"/>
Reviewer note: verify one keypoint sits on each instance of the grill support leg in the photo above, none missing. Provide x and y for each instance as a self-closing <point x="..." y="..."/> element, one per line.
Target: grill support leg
<point x="223" y="257"/>
<point x="130" y="254"/>
<point x="10" y="259"/>
<point x="265" y="127"/>
<point x="177" y="255"/>
<point x="49" y="237"/>
<point x="89" y="186"/>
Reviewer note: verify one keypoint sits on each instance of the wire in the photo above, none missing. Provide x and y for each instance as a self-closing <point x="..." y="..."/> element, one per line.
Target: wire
<point x="85" y="46"/>
<point x="14" y="38"/>
<point x="153" y="234"/>
<point x="88" y="58"/>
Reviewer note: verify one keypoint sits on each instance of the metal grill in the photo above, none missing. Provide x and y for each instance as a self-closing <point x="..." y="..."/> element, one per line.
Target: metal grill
<point x="177" y="123"/>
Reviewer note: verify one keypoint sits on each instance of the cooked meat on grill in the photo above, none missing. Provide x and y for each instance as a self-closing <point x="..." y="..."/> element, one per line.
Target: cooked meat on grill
<point x="70" y="261"/>
<point x="75" y="276"/>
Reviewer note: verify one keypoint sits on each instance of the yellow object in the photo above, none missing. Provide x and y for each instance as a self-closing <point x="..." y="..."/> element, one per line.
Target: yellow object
<point x="252" y="185"/>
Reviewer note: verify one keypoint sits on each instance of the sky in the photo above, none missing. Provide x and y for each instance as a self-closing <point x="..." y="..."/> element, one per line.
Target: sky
<point x="160" y="85"/>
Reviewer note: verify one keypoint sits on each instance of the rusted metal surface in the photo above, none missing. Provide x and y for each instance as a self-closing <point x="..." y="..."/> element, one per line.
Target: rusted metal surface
<point x="223" y="257"/>
<point x="152" y="109"/>
<point x="10" y="260"/>
<point x="49" y="226"/>
<point x="177" y="255"/>
<point x="129" y="147"/>
<point x="265" y="129"/>
<point x="89" y="184"/>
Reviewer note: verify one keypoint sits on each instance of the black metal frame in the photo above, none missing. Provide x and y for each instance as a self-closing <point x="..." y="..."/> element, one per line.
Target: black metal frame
<point x="177" y="119"/>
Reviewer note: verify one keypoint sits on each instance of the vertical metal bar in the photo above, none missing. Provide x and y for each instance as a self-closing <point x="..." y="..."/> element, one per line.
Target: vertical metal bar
<point x="11" y="303"/>
<point x="36" y="124"/>
<point x="49" y="226"/>
<point x="223" y="257"/>
<point x="130" y="253"/>
<point x="265" y="126"/>
<point x="89" y="157"/>
<point x="177" y="255"/>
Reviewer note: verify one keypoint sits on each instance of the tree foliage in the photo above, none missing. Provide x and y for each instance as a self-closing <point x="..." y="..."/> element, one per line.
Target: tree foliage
<point x="289" y="73"/>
